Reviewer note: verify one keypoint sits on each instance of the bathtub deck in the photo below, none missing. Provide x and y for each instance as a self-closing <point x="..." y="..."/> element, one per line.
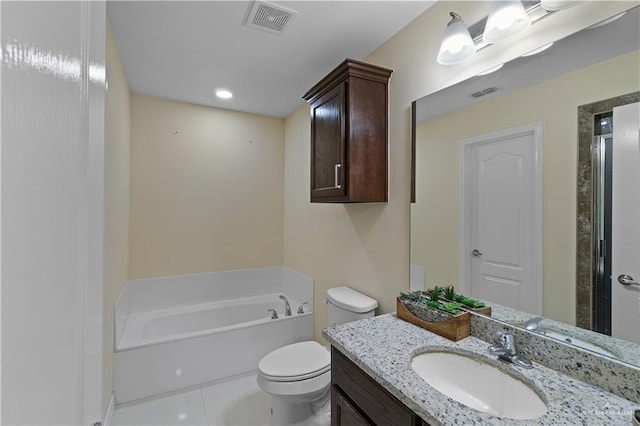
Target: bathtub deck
<point x="213" y="405"/>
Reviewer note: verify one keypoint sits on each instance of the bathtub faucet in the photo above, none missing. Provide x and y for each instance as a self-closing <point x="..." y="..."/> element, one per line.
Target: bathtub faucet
<point x="287" y="308"/>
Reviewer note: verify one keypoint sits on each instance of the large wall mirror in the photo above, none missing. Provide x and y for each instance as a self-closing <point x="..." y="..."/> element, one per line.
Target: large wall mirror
<point x="524" y="154"/>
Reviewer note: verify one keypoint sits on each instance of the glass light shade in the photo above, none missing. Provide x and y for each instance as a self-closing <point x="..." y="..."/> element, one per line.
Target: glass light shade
<point x="490" y="70"/>
<point x="506" y="18"/>
<point x="457" y="44"/>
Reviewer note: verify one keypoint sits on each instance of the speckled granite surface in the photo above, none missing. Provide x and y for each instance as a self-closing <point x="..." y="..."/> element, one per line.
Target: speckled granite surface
<point x="383" y="347"/>
<point x="604" y="372"/>
<point x="622" y="350"/>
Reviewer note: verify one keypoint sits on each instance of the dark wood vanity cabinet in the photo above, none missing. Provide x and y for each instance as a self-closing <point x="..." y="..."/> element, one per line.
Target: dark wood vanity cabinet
<point x="356" y="399"/>
<point x="349" y="134"/>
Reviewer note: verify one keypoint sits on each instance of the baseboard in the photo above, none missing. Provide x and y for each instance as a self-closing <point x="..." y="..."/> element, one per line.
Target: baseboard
<point x="110" y="410"/>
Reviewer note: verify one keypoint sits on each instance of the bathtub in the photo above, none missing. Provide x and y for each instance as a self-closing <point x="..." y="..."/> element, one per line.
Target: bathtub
<point x="175" y="347"/>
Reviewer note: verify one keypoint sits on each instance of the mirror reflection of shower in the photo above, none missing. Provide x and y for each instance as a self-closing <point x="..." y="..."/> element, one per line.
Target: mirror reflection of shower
<point x="602" y="167"/>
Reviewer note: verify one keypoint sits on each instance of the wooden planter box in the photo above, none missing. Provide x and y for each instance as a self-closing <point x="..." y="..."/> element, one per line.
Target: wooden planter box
<point x="457" y="327"/>
<point x="485" y="310"/>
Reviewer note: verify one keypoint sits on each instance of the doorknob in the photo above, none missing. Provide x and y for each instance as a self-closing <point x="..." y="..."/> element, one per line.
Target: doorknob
<point x="625" y="279"/>
<point x="476" y="253"/>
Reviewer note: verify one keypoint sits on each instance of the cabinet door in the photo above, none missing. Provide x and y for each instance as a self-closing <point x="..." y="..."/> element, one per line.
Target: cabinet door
<point x="328" y="146"/>
<point x="343" y="413"/>
<point x="380" y="406"/>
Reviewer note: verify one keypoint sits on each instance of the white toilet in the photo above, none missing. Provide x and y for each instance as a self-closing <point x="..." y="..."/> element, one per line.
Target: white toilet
<point x="298" y="376"/>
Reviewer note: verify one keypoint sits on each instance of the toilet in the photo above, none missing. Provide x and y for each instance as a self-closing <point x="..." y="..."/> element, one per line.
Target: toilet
<point x="298" y="376"/>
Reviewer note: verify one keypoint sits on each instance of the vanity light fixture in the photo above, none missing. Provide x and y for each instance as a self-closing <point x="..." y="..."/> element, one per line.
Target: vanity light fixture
<point x="490" y="70"/>
<point x="553" y="5"/>
<point x="506" y="18"/>
<point x="224" y="94"/>
<point x="538" y="50"/>
<point x="457" y="44"/>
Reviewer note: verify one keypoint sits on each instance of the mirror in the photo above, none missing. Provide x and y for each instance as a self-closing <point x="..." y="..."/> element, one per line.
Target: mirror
<point x="586" y="68"/>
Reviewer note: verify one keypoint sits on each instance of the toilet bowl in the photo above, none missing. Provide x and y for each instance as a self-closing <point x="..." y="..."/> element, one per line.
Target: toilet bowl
<point x="298" y="376"/>
<point x="295" y="376"/>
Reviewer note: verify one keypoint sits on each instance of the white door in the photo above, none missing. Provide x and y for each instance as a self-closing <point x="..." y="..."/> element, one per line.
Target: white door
<point x="625" y="255"/>
<point x="501" y="217"/>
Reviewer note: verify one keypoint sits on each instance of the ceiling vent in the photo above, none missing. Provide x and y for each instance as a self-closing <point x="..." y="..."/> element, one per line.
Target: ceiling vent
<point x="484" y="92"/>
<point x="269" y="17"/>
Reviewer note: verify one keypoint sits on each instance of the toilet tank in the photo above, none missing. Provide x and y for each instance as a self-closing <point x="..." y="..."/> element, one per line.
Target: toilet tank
<point x="345" y="304"/>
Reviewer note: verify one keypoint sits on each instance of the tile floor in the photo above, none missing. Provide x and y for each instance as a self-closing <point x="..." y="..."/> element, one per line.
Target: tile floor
<point x="237" y="402"/>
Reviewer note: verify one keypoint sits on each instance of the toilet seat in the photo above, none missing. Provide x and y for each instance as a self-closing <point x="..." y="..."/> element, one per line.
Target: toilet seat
<point x="295" y="362"/>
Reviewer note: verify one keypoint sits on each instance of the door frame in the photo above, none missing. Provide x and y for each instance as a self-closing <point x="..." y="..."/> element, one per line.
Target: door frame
<point x="464" y="216"/>
<point x="584" y="203"/>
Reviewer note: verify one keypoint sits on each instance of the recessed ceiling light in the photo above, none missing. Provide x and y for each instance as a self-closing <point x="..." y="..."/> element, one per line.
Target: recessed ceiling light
<point x="538" y="50"/>
<point x="490" y="70"/>
<point x="223" y="94"/>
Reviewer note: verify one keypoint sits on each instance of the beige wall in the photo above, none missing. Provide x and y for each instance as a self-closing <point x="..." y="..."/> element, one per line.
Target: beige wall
<point x="116" y="202"/>
<point x="367" y="246"/>
<point x="434" y="217"/>
<point x="206" y="189"/>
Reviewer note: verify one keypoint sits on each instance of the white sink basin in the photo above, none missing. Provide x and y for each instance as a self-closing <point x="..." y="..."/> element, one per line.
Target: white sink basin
<point x="478" y="385"/>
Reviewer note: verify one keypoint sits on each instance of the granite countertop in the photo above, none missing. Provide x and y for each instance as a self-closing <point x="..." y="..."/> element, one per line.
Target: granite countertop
<point x="622" y="350"/>
<point x="383" y="346"/>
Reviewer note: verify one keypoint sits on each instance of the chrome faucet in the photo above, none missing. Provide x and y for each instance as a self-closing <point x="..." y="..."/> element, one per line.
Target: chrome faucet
<point x="533" y="324"/>
<point x="287" y="308"/>
<point x="508" y="350"/>
<point x="301" y="307"/>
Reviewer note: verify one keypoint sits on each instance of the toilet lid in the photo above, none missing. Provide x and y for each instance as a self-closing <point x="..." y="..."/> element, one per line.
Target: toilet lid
<point x="298" y="361"/>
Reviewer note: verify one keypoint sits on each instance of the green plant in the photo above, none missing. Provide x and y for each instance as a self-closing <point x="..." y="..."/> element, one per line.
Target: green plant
<point x="451" y="307"/>
<point x="435" y="293"/>
<point x="473" y="303"/>
<point x="460" y="298"/>
<point x="449" y="293"/>
<point x="414" y="296"/>
<point x="433" y="304"/>
<point x="431" y="301"/>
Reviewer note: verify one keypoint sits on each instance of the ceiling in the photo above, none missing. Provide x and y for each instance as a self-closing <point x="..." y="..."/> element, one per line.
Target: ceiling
<point x="184" y="50"/>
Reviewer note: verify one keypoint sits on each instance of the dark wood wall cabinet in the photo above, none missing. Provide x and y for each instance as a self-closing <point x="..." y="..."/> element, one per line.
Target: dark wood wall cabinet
<point x="356" y="399"/>
<point x="349" y="134"/>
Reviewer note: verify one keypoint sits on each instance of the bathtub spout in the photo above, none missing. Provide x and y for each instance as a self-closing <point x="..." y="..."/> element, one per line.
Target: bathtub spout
<point x="287" y="308"/>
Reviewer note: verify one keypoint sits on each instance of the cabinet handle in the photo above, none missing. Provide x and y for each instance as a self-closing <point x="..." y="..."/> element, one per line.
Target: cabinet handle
<point x="337" y="174"/>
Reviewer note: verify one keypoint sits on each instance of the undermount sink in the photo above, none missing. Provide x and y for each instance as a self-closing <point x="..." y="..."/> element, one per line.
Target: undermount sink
<point x="478" y="385"/>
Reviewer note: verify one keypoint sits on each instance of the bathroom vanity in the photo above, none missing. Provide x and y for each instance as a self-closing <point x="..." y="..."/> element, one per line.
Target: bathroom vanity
<point x="373" y="382"/>
<point x="357" y="399"/>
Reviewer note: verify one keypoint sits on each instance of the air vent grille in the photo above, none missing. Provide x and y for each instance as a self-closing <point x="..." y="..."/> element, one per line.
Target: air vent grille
<point x="484" y="92"/>
<point x="269" y="17"/>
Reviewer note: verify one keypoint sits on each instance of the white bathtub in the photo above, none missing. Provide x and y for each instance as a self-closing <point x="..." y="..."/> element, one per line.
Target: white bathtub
<point x="162" y="350"/>
<point x="153" y="327"/>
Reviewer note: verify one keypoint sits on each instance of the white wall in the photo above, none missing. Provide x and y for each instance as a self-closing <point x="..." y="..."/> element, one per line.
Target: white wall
<point x="53" y="95"/>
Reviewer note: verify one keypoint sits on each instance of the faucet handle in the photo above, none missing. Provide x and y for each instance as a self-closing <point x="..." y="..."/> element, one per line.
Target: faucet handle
<point x="300" y="308"/>
<point x="508" y="341"/>
<point x="533" y="324"/>
<point x="274" y="313"/>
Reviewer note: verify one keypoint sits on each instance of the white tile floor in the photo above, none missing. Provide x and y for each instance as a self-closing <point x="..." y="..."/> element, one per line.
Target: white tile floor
<point x="237" y="402"/>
